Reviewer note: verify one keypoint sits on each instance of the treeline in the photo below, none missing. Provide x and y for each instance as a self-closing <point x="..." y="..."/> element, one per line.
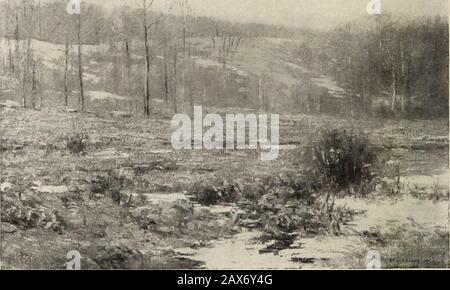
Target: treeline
<point x="50" y="22"/>
<point x="151" y="53"/>
<point x="392" y="67"/>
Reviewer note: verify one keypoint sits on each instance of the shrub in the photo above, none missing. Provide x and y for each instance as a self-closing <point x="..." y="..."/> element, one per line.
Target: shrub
<point x="290" y="185"/>
<point x="112" y="183"/>
<point x="342" y="162"/>
<point x="210" y="192"/>
<point x="77" y="143"/>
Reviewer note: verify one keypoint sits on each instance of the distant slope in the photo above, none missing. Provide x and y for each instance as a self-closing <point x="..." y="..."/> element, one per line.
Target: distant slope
<point x="260" y="66"/>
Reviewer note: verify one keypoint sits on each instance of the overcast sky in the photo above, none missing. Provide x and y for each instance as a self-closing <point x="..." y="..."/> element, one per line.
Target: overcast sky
<point x="317" y="14"/>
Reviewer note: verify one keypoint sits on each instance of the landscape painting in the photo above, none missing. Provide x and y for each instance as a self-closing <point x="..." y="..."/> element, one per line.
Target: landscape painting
<point x="224" y="134"/>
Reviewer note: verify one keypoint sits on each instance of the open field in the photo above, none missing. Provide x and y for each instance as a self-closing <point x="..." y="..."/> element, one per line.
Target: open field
<point x="89" y="164"/>
<point x="56" y="199"/>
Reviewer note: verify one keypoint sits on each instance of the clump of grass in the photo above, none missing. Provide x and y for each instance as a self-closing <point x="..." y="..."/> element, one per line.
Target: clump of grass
<point x="29" y="214"/>
<point x="409" y="247"/>
<point x="77" y="143"/>
<point x="111" y="184"/>
<point x="293" y="186"/>
<point x="342" y="162"/>
<point x="435" y="193"/>
<point x="210" y="192"/>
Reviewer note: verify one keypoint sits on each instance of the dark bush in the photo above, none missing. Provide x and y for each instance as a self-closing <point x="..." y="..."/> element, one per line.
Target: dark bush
<point x="112" y="183"/>
<point x="299" y="186"/>
<point x="210" y="192"/>
<point x="77" y="144"/>
<point x="343" y="161"/>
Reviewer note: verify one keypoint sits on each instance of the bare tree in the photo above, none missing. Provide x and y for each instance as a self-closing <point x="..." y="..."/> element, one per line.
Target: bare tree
<point x="230" y="46"/>
<point x="7" y="35"/>
<point x="24" y="69"/>
<point x="127" y="73"/>
<point x="146" y="6"/>
<point x="185" y="11"/>
<point x="66" y="71"/>
<point x="26" y="56"/>
<point x="260" y="93"/>
<point x="215" y="36"/>
<point x="175" y="79"/>
<point x="191" y="86"/>
<point x="405" y="63"/>
<point x="33" y="83"/>
<point x="166" y="74"/>
<point x="39" y="15"/>
<point x="80" y="64"/>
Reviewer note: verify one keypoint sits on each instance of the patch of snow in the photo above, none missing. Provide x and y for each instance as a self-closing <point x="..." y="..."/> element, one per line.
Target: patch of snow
<point x="8" y="228"/>
<point x="5" y="186"/>
<point x="91" y="78"/>
<point x="104" y="96"/>
<point x="108" y="154"/>
<point x="50" y="189"/>
<point x="161" y="151"/>
<point x="8" y="83"/>
<point x="240" y="252"/>
<point x="380" y="213"/>
<point x="331" y="86"/>
<point x="9" y="104"/>
<point x="213" y="63"/>
<point x="297" y="67"/>
<point x="278" y="41"/>
<point x="47" y="53"/>
<point x="121" y="114"/>
<point x="157" y="198"/>
<point x="159" y="101"/>
<point x="424" y="180"/>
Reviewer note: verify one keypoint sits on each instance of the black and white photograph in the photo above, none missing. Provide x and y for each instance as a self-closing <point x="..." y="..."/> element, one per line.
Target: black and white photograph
<point x="224" y="135"/>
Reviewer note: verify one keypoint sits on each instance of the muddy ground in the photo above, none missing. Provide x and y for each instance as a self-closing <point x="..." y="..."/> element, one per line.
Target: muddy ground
<point x="115" y="190"/>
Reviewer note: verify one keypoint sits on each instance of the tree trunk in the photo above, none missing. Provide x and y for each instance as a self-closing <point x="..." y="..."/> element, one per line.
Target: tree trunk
<point x="127" y="67"/>
<point x="224" y="49"/>
<point x="394" y="89"/>
<point x="80" y="66"/>
<point x="175" y="90"/>
<point x="10" y="57"/>
<point x="66" y="69"/>
<point x="17" y="35"/>
<point x="183" y="83"/>
<point x="184" y="37"/>
<point x="33" y="84"/>
<point x="147" y="73"/>
<point x="40" y="20"/>
<point x="166" y="76"/>
<point x="405" y="74"/>
<point x="24" y="101"/>
<point x="260" y="93"/>
<point x="191" y="87"/>
<point x="25" y="67"/>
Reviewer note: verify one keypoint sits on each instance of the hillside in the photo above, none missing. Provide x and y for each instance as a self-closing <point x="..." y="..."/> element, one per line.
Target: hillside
<point x="92" y="104"/>
<point x="285" y="83"/>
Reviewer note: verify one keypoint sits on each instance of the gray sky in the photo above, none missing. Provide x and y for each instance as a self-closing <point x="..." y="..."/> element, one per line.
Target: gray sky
<point x="317" y="14"/>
